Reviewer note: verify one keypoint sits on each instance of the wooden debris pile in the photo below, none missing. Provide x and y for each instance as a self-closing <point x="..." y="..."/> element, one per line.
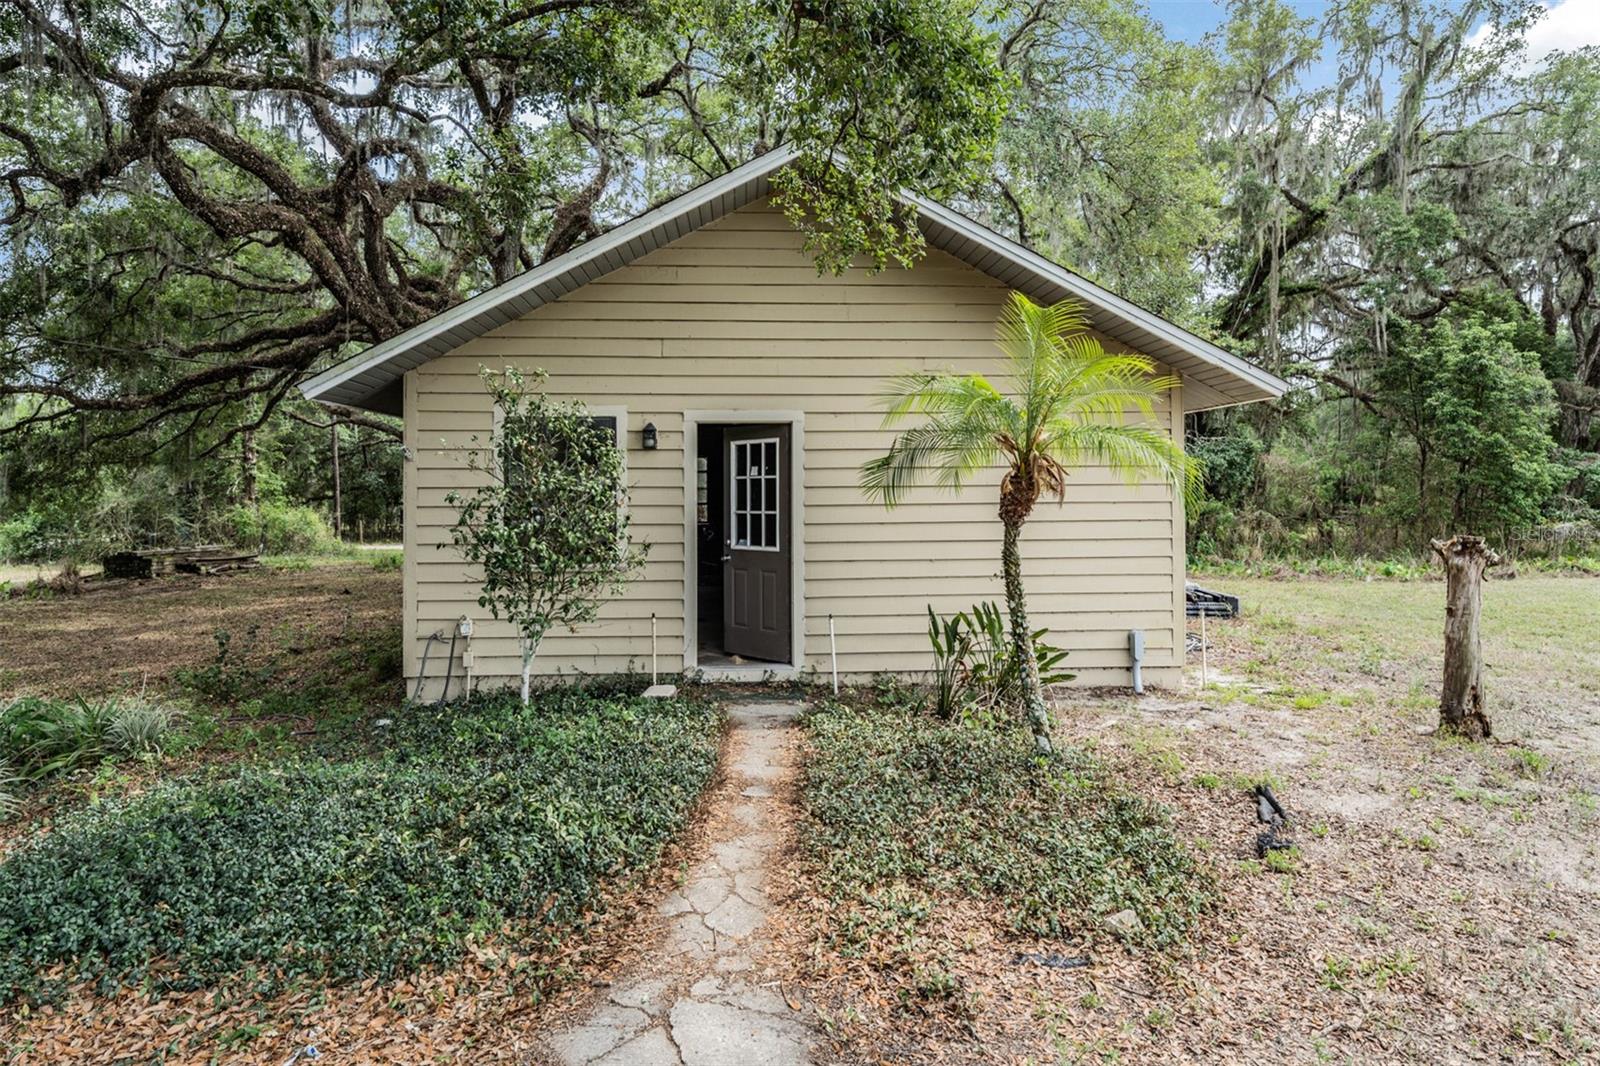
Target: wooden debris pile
<point x="145" y="563"/>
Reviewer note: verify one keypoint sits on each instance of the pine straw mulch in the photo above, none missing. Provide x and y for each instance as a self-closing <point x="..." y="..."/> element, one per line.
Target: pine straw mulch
<point x="1441" y="908"/>
<point x="490" y="1008"/>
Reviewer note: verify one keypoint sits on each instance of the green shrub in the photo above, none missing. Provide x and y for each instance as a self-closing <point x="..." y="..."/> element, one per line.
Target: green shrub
<point x="975" y="669"/>
<point x="22" y="539"/>
<point x="388" y="561"/>
<point x="10" y="783"/>
<point x="276" y="528"/>
<point x="901" y="809"/>
<point x="477" y="818"/>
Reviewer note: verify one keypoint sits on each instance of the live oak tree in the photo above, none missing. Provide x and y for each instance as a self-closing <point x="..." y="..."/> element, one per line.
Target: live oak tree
<point x="1363" y="212"/>
<point x="202" y="203"/>
<point x="1102" y="163"/>
<point x="1066" y="404"/>
<point x="549" y="525"/>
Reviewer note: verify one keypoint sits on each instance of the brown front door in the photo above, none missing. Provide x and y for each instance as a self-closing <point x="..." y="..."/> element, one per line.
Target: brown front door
<point x="757" y="553"/>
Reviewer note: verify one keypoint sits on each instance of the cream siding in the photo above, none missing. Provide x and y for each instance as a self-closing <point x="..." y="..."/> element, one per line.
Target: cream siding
<point x="734" y="316"/>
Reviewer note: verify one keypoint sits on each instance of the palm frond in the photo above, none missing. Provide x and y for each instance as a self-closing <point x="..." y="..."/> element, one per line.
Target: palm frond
<point x="1134" y="452"/>
<point x="1071" y="404"/>
<point x="941" y="394"/>
<point x="952" y="451"/>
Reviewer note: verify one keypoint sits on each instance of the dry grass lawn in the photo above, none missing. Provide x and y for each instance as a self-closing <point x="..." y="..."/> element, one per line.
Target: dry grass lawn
<point x="1443" y="903"/>
<point x="121" y="636"/>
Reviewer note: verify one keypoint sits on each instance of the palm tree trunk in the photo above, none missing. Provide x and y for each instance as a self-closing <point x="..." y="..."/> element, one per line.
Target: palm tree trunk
<point x="1022" y="639"/>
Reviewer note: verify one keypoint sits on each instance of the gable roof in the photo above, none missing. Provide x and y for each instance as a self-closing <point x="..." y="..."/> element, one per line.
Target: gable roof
<point x="371" y="379"/>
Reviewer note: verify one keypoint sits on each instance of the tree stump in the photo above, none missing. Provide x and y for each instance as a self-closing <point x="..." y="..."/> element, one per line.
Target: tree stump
<point x="1461" y="700"/>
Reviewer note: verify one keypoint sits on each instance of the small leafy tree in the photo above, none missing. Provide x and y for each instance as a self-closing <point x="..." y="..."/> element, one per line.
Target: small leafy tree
<point x="548" y="528"/>
<point x="1069" y="398"/>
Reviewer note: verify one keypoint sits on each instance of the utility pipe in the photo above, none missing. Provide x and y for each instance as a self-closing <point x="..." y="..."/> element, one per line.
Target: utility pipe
<point x="833" y="652"/>
<point x="1136" y="650"/>
<point x="449" y="665"/>
<point x="422" y="671"/>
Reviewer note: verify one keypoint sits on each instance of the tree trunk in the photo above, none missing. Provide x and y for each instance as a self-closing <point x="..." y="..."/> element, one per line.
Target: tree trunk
<point x="1422" y="487"/>
<point x="338" y="498"/>
<point x="1461" y="700"/>
<point x="247" y="468"/>
<point x="1022" y="640"/>
<point x="530" y="648"/>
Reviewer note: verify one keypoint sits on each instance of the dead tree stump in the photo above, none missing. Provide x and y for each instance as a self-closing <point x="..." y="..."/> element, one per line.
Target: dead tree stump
<point x="1461" y="700"/>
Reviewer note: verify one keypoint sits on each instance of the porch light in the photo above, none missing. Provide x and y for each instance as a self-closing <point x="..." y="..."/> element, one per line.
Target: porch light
<point x="648" y="437"/>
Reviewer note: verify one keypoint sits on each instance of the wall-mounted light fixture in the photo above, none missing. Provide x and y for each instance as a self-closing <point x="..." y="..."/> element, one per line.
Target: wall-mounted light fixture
<point x="648" y="437"/>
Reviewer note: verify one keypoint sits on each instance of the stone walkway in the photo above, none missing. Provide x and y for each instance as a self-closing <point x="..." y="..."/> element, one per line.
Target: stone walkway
<point x="702" y="997"/>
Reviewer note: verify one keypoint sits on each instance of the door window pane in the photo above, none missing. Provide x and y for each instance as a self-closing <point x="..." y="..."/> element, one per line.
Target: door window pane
<point x="753" y="466"/>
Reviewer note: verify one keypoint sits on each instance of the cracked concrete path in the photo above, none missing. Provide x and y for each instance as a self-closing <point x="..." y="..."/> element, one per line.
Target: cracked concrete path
<point x="702" y="997"/>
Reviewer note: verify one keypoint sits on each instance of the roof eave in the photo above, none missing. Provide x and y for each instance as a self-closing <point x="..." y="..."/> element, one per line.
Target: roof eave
<point x="368" y="379"/>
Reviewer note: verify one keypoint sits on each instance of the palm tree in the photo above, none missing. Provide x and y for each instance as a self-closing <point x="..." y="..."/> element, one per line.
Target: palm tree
<point x="1069" y="406"/>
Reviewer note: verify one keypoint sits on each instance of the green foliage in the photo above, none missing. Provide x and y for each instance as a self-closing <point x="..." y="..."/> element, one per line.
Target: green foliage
<point x="923" y="77"/>
<point x="1417" y="264"/>
<point x="142" y="727"/>
<point x="250" y="688"/>
<point x="1456" y="435"/>
<point x="903" y="812"/>
<point x="10" y="790"/>
<point x="44" y="737"/>
<point x="47" y="736"/>
<point x="550" y="527"/>
<point x="276" y="528"/>
<point x="1065" y="405"/>
<point x="61" y="504"/>
<point x="952" y="648"/>
<point x="976" y="670"/>
<point x="1103" y="162"/>
<point x="172" y="322"/>
<point x="1494" y="411"/>
<point x="21" y="540"/>
<point x="484" y="817"/>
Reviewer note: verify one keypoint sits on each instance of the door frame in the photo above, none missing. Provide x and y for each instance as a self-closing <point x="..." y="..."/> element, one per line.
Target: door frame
<point x="795" y="420"/>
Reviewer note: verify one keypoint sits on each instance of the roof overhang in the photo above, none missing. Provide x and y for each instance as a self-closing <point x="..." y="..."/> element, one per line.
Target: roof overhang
<point x="371" y="380"/>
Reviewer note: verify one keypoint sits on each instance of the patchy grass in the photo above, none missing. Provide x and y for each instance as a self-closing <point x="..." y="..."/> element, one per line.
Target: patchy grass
<point x="239" y="666"/>
<point x="1442" y="901"/>
<point x="482" y="820"/>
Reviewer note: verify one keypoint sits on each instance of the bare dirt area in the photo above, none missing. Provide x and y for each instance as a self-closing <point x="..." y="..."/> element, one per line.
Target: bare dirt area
<point x="119" y="636"/>
<point x="1442" y="901"/>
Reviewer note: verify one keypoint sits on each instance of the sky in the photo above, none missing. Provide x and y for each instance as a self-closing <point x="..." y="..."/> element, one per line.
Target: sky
<point x="1567" y="24"/>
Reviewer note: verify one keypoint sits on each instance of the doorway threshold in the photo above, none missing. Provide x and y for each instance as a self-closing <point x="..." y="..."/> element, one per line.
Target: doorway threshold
<point x="749" y="672"/>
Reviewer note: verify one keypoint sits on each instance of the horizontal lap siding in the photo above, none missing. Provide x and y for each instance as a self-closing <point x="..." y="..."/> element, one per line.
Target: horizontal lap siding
<point x="734" y="316"/>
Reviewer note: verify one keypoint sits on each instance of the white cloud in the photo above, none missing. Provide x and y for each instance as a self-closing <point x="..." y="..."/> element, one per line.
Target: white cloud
<point x="1565" y="26"/>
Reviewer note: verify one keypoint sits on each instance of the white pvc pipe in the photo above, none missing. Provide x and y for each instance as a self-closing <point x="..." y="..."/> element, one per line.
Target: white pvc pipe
<point x="1205" y="649"/>
<point x="652" y="649"/>
<point x="833" y="651"/>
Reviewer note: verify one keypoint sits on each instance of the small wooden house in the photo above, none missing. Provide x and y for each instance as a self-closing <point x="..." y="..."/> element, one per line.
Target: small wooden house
<point x="743" y="386"/>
